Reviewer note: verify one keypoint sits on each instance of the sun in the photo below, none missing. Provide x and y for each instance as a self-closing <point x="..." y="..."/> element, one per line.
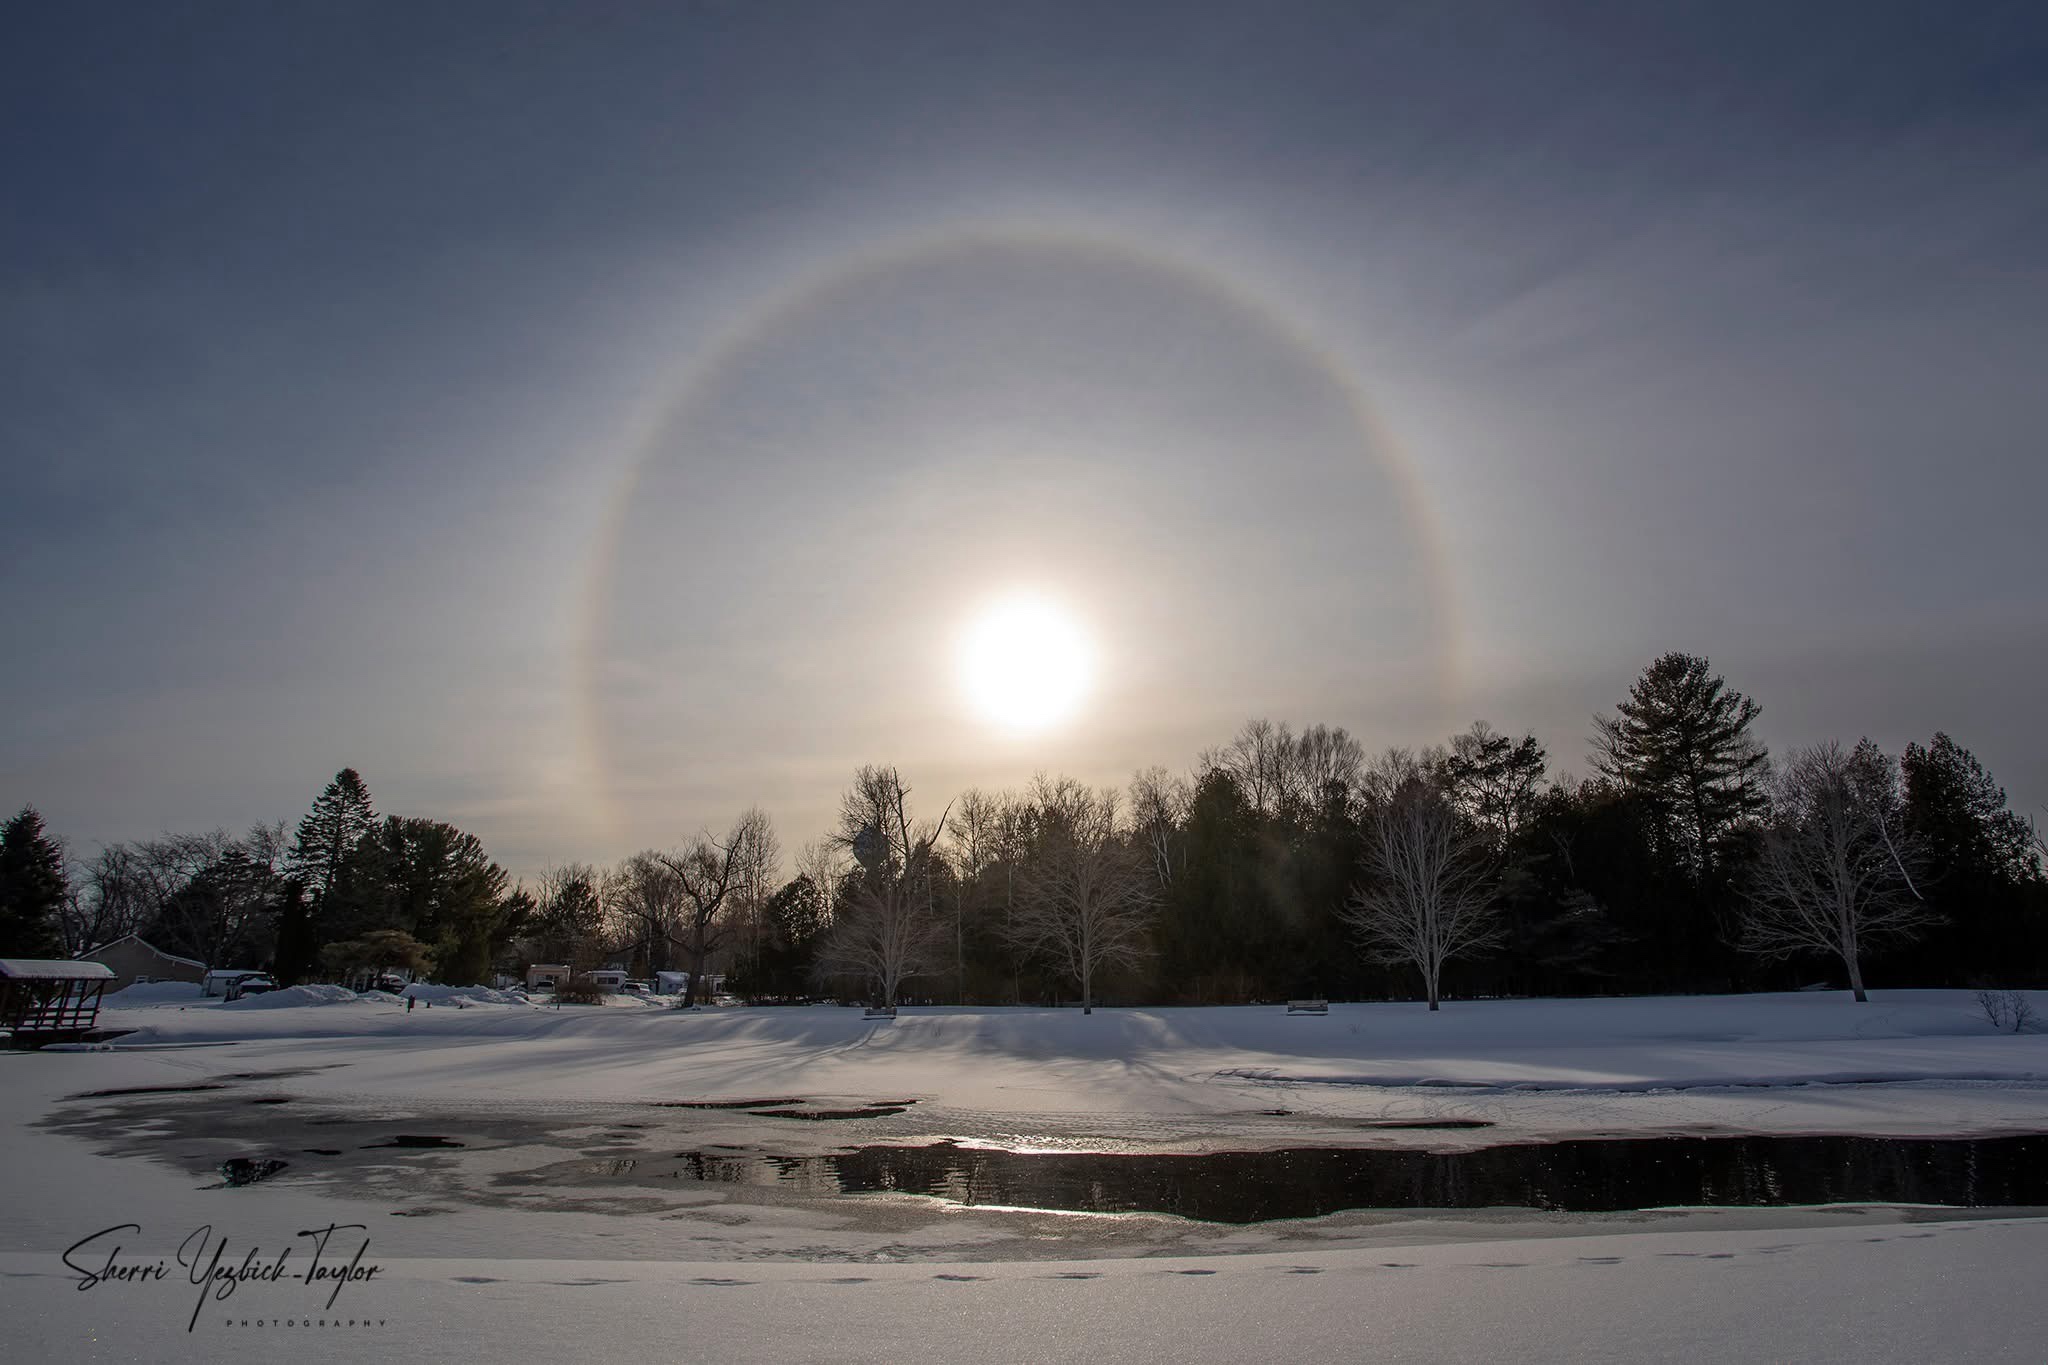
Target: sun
<point x="1025" y="663"/>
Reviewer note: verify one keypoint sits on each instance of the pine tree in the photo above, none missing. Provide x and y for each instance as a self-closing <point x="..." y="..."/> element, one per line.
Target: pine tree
<point x="1682" y="741"/>
<point x="32" y="885"/>
<point x="1982" y="873"/>
<point x="331" y="833"/>
<point x="320" y="867"/>
<point x="1958" y="809"/>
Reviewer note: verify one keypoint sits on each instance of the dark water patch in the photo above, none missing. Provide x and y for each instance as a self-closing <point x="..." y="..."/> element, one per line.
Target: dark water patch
<point x="150" y="1090"/>
<point x="1425" y="1124"/>
<point x="878" y="1111"/>
<point x="242" y="1170"/>
<point x="322" y="1151"/>
<point x="728" y="1104"/>
<point x="416" y="1140"/>
<point x="272" y="1099"/>
<point x="1588" y="1176"/>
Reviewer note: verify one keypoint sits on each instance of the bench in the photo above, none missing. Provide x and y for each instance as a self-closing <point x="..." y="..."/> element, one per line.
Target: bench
<point x="880" y="1012"/>
<point x="1308" y="1007"/>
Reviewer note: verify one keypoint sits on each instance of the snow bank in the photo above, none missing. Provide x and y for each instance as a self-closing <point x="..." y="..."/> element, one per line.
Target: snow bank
<point x="154" y="993"/>
<point x="293" y="996"/>
<point x="425" y="992"/>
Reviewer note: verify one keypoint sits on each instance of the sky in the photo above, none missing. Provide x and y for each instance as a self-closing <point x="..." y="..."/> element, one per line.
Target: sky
<point x="588" y="420"/>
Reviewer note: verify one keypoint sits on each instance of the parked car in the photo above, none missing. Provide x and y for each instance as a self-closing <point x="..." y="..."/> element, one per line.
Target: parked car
<point x="251" y="985"/>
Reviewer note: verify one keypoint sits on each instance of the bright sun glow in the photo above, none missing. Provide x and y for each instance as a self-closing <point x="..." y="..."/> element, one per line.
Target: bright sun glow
<point x="1026" y="663"/>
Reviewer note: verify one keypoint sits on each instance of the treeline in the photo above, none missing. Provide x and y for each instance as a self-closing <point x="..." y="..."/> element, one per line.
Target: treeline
<point x="1284" y="864"/>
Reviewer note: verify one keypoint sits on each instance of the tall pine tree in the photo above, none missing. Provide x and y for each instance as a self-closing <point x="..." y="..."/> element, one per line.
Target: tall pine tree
<point x="1681" y="740"/>
<point x="32" y="885"/>
<point x="330" y="839"/>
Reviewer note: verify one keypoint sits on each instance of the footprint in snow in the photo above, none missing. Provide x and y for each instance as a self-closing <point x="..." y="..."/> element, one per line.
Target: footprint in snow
<point x="1720" y="1255"/>
<point x="1194" y="1272"/>
<point x="476" y="1279"/>
<point x="1398" y="1265"/>
<point x="701" y="1279"/>
<point x="1304" y="1270"/>
<point x="1078" y="1275"/>
<point x="1599" y="1260"/>
<point x="960" y="1279"/>
<point x="849" y="1279"/>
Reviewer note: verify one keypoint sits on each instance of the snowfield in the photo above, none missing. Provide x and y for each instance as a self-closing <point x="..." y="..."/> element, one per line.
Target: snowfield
<point x="533" y="1237"/>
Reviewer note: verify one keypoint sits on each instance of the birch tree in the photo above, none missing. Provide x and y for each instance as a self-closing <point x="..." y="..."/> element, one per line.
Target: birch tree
<point x="1427" y="894"/>
<point x="1088" y="894"/>
<point x="1836" y="872"/>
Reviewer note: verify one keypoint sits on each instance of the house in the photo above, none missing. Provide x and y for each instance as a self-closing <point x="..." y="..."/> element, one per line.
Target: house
<point x="134" y="959"/>
<point x="549" y="974"/>
<point x="610" y="978"/>
<point x="43" y="1001"/>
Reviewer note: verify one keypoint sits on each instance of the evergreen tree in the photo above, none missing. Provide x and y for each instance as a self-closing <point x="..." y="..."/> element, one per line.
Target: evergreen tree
<point x="1681" y="741"/>
<point x="330" y="834"/>
<point x="1959" y="812"/>
<point x="781" y="967"/>
<point x="438" y="885"/>
<point x="32" y="886"/>
<point x="1983" y="875"/>
<point x="324" y="865"/>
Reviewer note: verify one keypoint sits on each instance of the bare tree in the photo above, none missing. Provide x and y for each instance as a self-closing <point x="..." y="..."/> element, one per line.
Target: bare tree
<point x="1834" y="874"/>
<point x="1159" y="813"/>
<point x="1427" y="895"/>
<point x="885" y="930"/>
<point x="645" y="899"/>
<point x="1087" y="892"/>
<point x="973" y="847"/>
<point x="1257" y="759"/>
<point x="1322" y="762"/>
<point x="823" y="863"/>
<point x="758" y="875"/>
<point x="709" y="872"/>
<point x="110" y="896"/>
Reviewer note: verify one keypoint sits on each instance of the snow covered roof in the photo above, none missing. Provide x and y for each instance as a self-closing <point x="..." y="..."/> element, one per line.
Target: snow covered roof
<point x="44" y="969"/>
<point x="168" y="957"/>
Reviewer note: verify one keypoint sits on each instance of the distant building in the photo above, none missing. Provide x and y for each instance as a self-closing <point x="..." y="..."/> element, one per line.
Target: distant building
<point x="134" y="959"/>
<point x="549" y="974"/>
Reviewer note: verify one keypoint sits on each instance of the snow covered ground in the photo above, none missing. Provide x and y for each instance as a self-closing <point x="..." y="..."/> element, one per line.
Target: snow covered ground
<point x="534" y="1234"/>
<point x="1924" y="1062"/>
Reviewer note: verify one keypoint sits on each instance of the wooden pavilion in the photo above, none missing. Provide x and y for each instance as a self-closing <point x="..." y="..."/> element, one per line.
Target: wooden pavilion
<point x="47" y="1001"/>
